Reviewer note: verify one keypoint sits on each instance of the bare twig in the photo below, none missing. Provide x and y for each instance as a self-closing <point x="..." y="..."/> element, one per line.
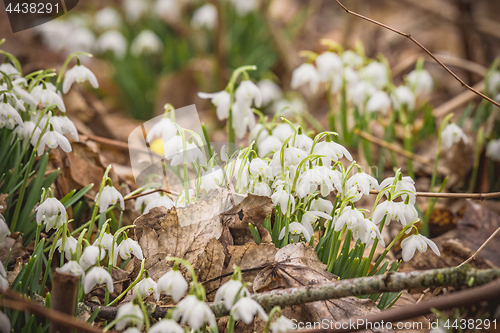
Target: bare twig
<point x="487" y="292"/>
<point x="153" y="191"/>
<point x="423" y="48"/>
<point x="20" y="303"/>
<point x="475" y="196"/>
<point x="480" y="248"/>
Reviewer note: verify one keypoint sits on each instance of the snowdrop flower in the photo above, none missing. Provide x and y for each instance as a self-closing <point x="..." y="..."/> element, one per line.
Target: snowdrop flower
<point x="9" y="117"/>
<point x="492" y="81"/>
<point x="181" y="199"/>
<point x="303" y="142"/>
<point x="62" y="125"/>
<point x="135" y="9"/>
<point x="171" y="283"/>
<point x="90" y="256"/>
<point x="166" y="326"/>
<point x="174" y="151"/>
<point x="403" y="96"/>
<point x="168" y="9"/>
<point x="296" y="229"/>
<point x="97" y="275"/>
<point x="322" y="205"/>
<point x="405" y="184"/>
<point x="146" y="199"/>
<point x="25" y="130"/>
<point x="128" y="247"/>
<point x="351" y="59"/>
<point x="329" y="66"/>
<point x="493" y="150"/>
<point x="4" y="284"/>
<point x="262" y="189"/>
<point x="18" y="86"/>
<point x="243" y="7"/>
<point x="379" y="101"/>
<point x="50" y="210"/>
<point x="52" y="139"/>
<point x="367" y="231"/>
<point x="79" y="73"/>
<point x="453" y="134"/>
<point x="351" y="76"/>
<point x="283" y="198"/>
<point x="258" y="133"/>
<point x="282" y="325"/>
<point x="107" y="18"/>
<point x="376" y="73"/>
<point x="164" y="129"/>
<point x="258" y="167"/>
<point x="247" y="92"/>
<point x="147" y="42"/>
<point x="269" y="144"/>
<point x="363" y="181"/>
<point x="282" y="131"/>
<point x="310" y="217"/>
<point x="194" y="312"/>
<point x="221" y="100"/>
<point x="47" y="96"/>
<point x="350" y="217"/>
<point x="205" y="17"/>
<point x="106" y="243"/>
<point x="305" y="74"/>
<point x="108" y="197"/>
<point x="310" y="179"/>
<point x="145" y="288"/>
<point x="4" y="229"/>
<point x="213" y="178"/>
<point x="360" y="92"/>
<point x="270" y="91"/>
<point x="10" y="70"/>
<point x="293" y="156"/>
<point x="228" y="292"/>
<point x="332" y="151"/>
<point x="114" y="42"/>
<point x="4" y="323"/>
<point x="246" y="308"/>
<point x="69" y="248"/>
<point x="393" y="210"/>
<point x="72" y="267"/>
<point x="242" y="119"/>
<point x="160" y="201"/>
<point x="414" y="242"/>
<point x="293" y="107"/>
<point x="420" y="82"/>
<point x="132" y="314"/>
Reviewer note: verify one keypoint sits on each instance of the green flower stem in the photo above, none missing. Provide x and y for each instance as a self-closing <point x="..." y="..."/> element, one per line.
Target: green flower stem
<point x="187" y="265"/>
<point x="66" y="62"/>
<point x="230" y="324"/>
<point x="49" y="262"/>
<point x="374" y="247"/>
<point x="96" y="205"/>
<point x="144" y="311"/>
<point x="273" y="311"/>
<point x="132" y="285"/>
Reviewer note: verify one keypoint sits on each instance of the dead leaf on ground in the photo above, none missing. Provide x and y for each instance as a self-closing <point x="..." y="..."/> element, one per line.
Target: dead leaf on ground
<point x="12" y="248"/>
<point x="419" y="324"/>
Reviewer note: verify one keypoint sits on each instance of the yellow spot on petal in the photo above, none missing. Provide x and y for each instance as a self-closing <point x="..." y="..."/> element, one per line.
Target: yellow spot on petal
<point x="157" y="146"/>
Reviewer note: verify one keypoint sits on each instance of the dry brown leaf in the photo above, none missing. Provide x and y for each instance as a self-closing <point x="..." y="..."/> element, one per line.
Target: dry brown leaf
<point x="12" y="248"/>
<point x="297" y="265"/>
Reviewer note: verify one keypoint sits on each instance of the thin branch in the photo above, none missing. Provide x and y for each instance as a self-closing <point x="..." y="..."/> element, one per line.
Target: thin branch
<point x="423" y="48"/>
<point x="474" y="196"/>
<point x="23" y="304"/>
<point x="490" y="291"/>
<point x="480" y="248"/>
<point x="153" y="191"/>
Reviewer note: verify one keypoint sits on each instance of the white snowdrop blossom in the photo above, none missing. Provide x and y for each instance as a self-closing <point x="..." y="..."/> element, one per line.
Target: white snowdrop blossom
<point x="406" y="184"/>
<point x="146" y="42"/>
<point x="160" y="201"/>
<point x="269" y="144"/>
<point x="362" y="181"/>
<point x="106" y="242"/>
<point x="360" y="93"/>
<point x="305" y="74"/>
<point x="164" y="129"/>
<point x="222" y="102"/>
<point x="282" y="325"/>
<point x="420" y="81"/>
<point x="52" y="139"/>
<point x="25" y="130"/>
<point x="493" y="82"/>
<point x="9" y="117"/>
<point x="379" y="101"/>
<point x="283" y="198"/>
<point x="145" y="288"/>
<point x="145" y="199"/>
<point x="417" y="242"/>
<point x="282" y="131"/>
<point x="174" y="151"/>
<point x="403" y="96"/>
<point x="4" y="284"/>
<point x="171" y="283"/>
<point x="169" y="10"/>
<point x="262" y="189"/>
<point x="213" y="178"/>
<point x="310" y="217"/>
<point x="228" y="292"/>
<point x="366" y="231"/>
<point x="242" y="119"/>
<point x="166" y="326"/>
<point x="47" y="96"/>
<point x="10" y="70"/>
<point x="246" y="309"/>
<point x="270" y="91"/>
<point x="303" y="142"/>
<point x="132" y="315"/>
<point x="376" y="73"/>
<point x="108" y="197"/>
<point x="205" y="17"/>
<point x="322" y="205"/>
<point x="258" y="133"/>
<point x="351" y="59"/>
<point x="181" y="199"/>
<point x="246" y="93"/>
<point x="258" y="167"/>
<point x="4" y="229"/>
<point x="329" y="66"/>
<point x="452" y="134"/>
<point x="493" y="150"/>
<point x="72" y="267"/>
<point x="52" y="213"/>
<point x="243" y="7"/>
<point x="134" y="9"/>
<point x="393" y="210"/>
<point x="112" y="41"/>
<point x="128" y="247"/>
<point x="350" y="217"/>
<point x="332" y="151"/>
<point x="79" y="73"/>
<point x="296" y="229"/>
<point x="97" y="275"/>
<point x="62" y="125"/>
<point x="69" y="248"/>
<point x="293" y="107"/>
<point x="90" y="256"/>
<point x="4" y="323"/>
<point x="194" y="312"/>
<point x="107" y="18"/>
